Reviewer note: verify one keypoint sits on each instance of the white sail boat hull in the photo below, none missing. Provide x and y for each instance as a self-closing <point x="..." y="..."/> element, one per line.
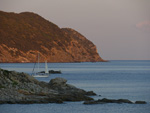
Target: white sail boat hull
<point x="40" y="76"/>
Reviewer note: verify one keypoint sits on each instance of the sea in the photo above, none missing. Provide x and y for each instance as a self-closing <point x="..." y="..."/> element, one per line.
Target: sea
<point x="116" y="79"/>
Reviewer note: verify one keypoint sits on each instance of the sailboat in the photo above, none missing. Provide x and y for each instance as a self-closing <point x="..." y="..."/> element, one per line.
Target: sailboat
<point x="43" y="73"/>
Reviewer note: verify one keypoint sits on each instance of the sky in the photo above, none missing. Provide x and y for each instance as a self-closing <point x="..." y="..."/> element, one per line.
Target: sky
<point x="119" y="28"/>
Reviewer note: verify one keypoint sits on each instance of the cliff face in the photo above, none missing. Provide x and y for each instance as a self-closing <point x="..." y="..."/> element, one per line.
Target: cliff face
<point x="81" y="48"/>
<point x="23" y="35"/>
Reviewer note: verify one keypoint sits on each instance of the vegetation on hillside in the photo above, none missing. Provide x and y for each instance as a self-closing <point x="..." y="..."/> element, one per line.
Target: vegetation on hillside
<point x="23" y="35"/>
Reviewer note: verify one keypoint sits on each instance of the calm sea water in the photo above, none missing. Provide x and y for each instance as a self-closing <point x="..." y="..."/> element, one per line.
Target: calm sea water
<point x="113" y="80"/>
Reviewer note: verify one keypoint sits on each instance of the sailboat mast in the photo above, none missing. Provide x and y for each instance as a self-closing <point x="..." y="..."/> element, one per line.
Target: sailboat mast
<point x="46" y="67"/>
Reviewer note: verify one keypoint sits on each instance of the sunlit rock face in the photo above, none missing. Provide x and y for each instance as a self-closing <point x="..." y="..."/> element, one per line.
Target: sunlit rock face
<point x="24" y="35"/>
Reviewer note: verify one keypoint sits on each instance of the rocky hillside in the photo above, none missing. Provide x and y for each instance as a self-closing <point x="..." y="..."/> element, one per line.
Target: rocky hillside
<point x="22" y="88"/>
<point x="23" y="35"/>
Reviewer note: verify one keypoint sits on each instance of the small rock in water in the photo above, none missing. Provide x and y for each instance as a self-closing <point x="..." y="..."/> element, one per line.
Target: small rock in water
<point x="90" y="93"/>
<point x="105" y="100"/>
<point x="140" y="102"/>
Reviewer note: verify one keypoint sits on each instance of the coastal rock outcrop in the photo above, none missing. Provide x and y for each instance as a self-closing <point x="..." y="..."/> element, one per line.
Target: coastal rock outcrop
<point x="119" y="101"/>
<point x="59" y="84"/>
<point x="24" y="35"/>
<point x="22" y="88"/>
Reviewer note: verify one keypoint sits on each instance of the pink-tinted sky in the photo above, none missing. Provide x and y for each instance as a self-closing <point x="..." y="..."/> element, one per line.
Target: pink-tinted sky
<point x="119" y="28"/>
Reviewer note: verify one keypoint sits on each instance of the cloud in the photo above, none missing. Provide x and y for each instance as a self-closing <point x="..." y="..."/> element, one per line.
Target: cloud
<point x="144" y="25"/>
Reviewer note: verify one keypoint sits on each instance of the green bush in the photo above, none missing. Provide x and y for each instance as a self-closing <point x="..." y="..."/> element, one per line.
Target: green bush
<point x="15" y="83"/>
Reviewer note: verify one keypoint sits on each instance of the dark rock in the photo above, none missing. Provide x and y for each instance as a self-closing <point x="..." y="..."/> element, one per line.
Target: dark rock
<point x="51" y="72"/>
<point x="93" y="102"/>
<point x="73" y="97"/>
<point x="54" y="72"/>
<point x="124" y="101"/>
<point x="105" y="100"/>
<point x="58" y="81"/>
<point x="90" y="93"/>
<point x="140" y="102"/>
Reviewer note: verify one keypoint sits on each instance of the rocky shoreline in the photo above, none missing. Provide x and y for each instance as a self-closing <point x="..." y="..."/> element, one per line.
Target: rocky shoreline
<point x="21" y="88"/>
<point x="119" y="101"/>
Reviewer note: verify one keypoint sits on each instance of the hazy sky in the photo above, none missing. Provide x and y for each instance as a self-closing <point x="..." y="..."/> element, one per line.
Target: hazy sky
<point x="119" y="28"/>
